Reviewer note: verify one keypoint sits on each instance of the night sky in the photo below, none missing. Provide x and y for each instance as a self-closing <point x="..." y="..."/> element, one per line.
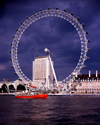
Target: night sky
<point x="58" y="35"/>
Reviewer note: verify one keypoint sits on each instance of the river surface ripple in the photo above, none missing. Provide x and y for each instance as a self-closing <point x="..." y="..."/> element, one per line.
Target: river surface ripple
<point x="56" y="110"/>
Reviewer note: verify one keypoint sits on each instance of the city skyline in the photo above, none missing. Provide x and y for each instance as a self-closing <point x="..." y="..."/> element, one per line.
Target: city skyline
<point x="47" y="31"/>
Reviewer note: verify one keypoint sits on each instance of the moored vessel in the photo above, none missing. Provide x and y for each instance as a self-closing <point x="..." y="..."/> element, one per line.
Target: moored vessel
<point x="31" y="95"/>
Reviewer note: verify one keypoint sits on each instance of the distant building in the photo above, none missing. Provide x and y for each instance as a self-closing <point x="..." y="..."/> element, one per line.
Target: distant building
<point x="42" y="72"/>
<point x="87" y="84"/>
<point x="6" y="80"/>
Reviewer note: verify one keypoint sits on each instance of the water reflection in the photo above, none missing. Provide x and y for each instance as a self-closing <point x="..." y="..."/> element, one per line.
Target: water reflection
<point x="54" y="110"/>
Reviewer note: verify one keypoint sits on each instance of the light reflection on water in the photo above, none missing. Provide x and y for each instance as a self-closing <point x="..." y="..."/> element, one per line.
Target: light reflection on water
<point x="70" y="110"/>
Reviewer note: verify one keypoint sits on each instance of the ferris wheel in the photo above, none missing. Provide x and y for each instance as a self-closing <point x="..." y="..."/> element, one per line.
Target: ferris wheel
<point x="47" y="13"/>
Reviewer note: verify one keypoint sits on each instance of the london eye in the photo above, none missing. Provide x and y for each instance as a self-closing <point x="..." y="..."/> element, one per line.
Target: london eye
<point x="50" y="13"/>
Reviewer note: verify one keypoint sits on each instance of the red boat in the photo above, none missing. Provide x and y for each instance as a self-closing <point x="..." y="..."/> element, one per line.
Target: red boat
<point x="31" y="95"/>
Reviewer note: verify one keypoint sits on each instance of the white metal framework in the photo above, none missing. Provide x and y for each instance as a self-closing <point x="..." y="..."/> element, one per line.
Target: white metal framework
<point x="50" y="62"/>
<point x="46" y="13"/>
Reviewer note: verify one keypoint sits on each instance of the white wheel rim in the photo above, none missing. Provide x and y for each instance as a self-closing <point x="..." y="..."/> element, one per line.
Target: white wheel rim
<point x="37" y="16"/>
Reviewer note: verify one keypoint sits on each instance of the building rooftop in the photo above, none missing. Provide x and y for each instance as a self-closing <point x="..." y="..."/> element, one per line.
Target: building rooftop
<point x="40" y="57"/>
<point x="86" y="76"/>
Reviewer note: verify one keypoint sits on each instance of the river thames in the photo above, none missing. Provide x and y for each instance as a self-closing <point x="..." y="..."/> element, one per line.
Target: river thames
<point x="56" y="110"/>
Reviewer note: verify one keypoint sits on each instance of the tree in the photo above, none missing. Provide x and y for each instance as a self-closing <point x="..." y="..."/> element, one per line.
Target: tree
<point x="11" y="87"/>
<point x="0" y="90"/>
<point x="20" y="87"/>
<point x="4" y="88"/>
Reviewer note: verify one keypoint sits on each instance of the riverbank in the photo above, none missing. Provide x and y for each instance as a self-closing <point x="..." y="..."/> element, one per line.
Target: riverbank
<point x="7" y="93"/>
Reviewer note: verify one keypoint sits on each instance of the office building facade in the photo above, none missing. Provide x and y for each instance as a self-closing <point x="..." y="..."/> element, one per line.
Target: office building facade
<point x="42" y="72"/>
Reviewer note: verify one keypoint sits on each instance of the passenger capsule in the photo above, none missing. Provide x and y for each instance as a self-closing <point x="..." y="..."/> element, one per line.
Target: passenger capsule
<point x="86" y="32"/>
<point x="84" y="66"/>
<point x="15" y="73"/>
<point x="89" y="49"/>
<point x="88" y="58"/>
<point x="12" y="66"/>
<point x="64" y="10"/>
<point x="48" y="8"/>
<point x="41" y="10"/>
<point x="83" y="24"/>
<point x="89" y="41"/>
<point x="71" y="13"/>
<point x="78" y="18"/>
<point x="57" y="8"/>
<point x="33" y="13"/>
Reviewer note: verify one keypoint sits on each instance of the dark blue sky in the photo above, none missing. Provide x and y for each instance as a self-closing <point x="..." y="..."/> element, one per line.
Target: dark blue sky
<point x="54" y="33"/>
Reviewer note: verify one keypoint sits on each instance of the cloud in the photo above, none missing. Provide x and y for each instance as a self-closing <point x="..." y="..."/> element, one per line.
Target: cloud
<point x="2" y="67"/>
<point x="54" y="33"/>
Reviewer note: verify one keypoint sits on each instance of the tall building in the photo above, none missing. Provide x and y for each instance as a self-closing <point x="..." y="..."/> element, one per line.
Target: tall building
<point x="42" y="72"/>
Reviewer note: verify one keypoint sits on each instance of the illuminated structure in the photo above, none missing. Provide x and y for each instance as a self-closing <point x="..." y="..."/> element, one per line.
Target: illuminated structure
<point x="42" y="72"/>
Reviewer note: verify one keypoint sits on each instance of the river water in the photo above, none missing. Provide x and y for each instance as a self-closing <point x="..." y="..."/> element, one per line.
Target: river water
<point x="56" y="110"/>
